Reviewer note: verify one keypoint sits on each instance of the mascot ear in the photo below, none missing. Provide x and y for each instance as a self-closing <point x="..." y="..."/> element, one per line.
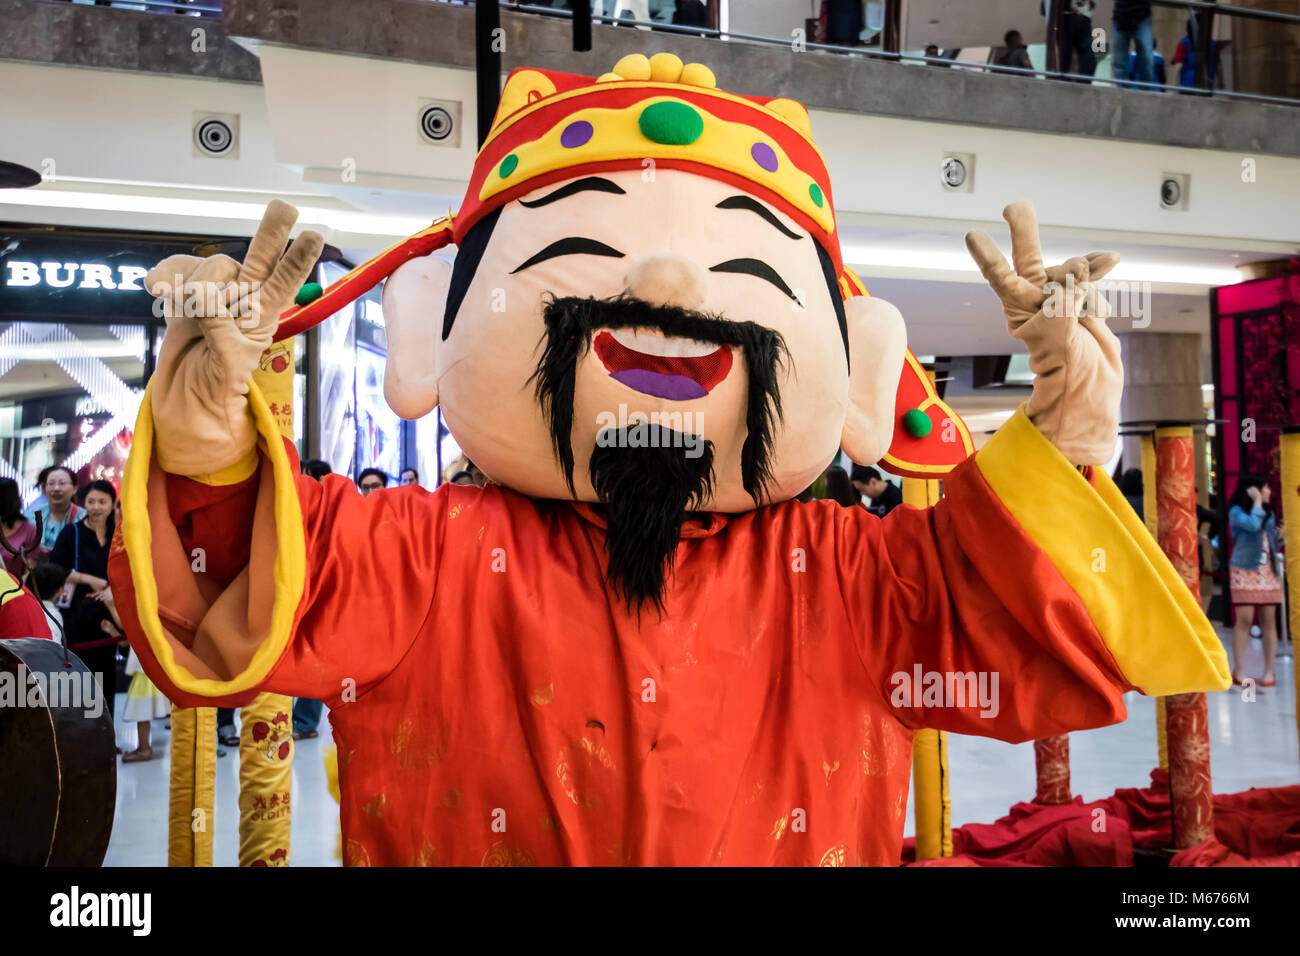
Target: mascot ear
<point x="877" y="345"/>
<point x="415" y="297"/>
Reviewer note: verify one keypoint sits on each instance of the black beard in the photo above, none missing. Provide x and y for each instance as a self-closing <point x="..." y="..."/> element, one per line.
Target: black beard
<point x="648" y="490"/>
<point x="570" y="323"/>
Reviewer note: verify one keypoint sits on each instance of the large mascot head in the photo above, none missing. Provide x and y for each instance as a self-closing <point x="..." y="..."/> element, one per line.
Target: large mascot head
<point x="648" y="310"/>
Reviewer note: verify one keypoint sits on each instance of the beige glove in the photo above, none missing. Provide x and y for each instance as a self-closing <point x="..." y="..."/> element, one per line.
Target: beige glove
<point x="221" y="316"/>
<point x="1073" y="355"/>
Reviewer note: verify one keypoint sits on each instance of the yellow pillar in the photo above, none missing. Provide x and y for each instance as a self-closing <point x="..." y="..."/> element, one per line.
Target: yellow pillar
<point x="1290" y="455"/>
<point x="190" y="810"/>
<point x="930" y="800"/>
<point x="1151" y="516"/>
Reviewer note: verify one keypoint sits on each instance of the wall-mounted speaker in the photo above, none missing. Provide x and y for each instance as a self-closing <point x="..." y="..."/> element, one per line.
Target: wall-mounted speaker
<point x="957" y="172"/>
<point x="216" y="135"/>
<point x="1173" y="190"/>
<point x="439" y="122"/>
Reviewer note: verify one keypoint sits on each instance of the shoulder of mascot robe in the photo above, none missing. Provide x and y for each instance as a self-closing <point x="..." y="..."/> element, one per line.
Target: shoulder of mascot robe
<point x="183" y="671"/>
<point x="1146" y="614"/>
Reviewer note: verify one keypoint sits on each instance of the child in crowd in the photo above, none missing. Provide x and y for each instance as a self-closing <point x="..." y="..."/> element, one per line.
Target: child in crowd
<point x="47" y="582"/>
<point x="144" y="701"/>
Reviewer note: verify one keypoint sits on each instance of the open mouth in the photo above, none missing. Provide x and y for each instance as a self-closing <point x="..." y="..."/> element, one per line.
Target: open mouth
<point x="673" y="368"/>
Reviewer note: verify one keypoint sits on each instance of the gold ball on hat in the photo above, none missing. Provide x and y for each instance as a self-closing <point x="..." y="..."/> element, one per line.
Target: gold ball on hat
<point x="794" y="113"/>
<point x="634" y="66"/>
<point x="665" y="68"/>
<point x="697" y="74"/>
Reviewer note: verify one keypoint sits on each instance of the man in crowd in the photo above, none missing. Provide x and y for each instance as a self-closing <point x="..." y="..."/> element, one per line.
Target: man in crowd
<point x="1132" y="26"/>
<point x="1014" y="53"/>
<point x="1075" y="39"/>
<point x="885" y="495"/>
<point x="371" y="479"/>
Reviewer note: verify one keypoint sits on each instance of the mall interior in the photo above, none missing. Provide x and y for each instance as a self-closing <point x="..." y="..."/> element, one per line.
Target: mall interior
<point x="132" y="132"/>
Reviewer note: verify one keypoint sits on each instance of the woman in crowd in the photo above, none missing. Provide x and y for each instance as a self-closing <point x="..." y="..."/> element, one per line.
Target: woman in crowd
<point x="1252" y="575"/>
<point x="840" y="489"/>
<point x="58" y="484"/>
<point x="18" y="550"/>
<point x="83" y="547"/>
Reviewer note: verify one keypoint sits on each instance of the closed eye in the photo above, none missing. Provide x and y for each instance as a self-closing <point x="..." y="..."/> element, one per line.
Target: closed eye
<point x="570" y="246"/>
<point x="757" y="268"/>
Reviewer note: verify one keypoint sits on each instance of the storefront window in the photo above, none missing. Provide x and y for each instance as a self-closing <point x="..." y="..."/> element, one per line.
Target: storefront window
<point x="77" y="343"/>
<point x="69" y="395"/>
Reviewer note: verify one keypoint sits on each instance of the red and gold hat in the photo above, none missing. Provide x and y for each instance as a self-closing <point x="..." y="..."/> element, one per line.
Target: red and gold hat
<point x="552" y="126"/>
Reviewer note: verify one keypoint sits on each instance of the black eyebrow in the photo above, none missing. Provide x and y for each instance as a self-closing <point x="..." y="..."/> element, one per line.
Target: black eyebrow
<point x="753" y="205"/>
<point x="757" y="268"/>
<point x="590" y="184"/>
<point x="570" y="246"/>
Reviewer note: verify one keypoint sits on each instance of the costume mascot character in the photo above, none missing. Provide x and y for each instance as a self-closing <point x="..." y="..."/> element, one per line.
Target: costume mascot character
<point x="632" y="646"/>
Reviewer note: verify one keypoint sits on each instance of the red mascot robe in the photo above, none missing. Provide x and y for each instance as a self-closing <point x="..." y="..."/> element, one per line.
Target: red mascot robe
<point x="494" y="702"/>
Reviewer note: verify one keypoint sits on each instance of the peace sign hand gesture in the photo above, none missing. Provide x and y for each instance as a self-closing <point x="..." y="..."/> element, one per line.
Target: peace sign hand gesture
<point x="221" y="315"/>
<point x="1059" y="315"/>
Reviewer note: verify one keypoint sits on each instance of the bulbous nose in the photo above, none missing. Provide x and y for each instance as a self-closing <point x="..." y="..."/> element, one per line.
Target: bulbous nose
<point x="667" y="279"/>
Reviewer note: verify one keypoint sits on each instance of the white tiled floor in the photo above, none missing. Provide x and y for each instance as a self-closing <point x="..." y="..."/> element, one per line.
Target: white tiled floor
<point x="1253" y="744"/>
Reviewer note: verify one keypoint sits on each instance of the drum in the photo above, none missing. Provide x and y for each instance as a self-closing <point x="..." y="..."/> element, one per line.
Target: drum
<point x="58" y="758"/>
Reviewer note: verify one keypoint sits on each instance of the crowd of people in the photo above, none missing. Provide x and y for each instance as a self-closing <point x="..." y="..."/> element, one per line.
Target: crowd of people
<point x="1135" y="61"/>
<point x="58" y="549"/>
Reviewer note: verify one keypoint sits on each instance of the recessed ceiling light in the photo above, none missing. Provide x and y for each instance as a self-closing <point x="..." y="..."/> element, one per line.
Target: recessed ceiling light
<point x="967" y="304"/>
<point x="1236" y="255"/>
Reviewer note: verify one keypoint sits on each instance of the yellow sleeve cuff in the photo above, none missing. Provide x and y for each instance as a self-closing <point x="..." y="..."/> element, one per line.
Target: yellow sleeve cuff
<point x="245" y="637"/>
<point x="1144" y="612"/>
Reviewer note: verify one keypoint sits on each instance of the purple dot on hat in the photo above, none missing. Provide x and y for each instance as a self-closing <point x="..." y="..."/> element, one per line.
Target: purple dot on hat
<point x="764" y="155"/>
<point x="576" y="134"/>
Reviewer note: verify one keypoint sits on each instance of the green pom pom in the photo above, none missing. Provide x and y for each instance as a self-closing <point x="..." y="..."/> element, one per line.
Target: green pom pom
<point x="673" y="124"/>
<point x="309" y="293"/>
<point x="917" y="423"/>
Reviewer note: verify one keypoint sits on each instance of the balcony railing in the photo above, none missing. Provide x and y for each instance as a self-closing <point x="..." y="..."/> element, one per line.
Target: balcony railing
<point x="1201" y="15"/>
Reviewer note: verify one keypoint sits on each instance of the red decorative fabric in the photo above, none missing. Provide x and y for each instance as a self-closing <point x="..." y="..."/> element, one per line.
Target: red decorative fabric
<point x="1031" y="834"/>
<point x="1214" y="853"/>
<point x="508" y="710"/>
<point x="1257" y="827"/>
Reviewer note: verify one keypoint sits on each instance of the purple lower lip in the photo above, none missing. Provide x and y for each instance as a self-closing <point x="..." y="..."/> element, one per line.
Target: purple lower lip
<point x="676" y="388"/>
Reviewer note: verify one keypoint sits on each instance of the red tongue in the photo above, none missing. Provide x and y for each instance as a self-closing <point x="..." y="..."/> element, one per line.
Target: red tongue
<point x="705" y="370"/>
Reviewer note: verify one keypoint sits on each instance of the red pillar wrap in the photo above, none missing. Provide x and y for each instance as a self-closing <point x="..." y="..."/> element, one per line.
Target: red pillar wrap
<point x="1052" y="762"/>
<point x="1187" y="722"/>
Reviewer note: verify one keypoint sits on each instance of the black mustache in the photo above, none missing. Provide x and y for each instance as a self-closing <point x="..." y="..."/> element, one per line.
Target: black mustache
<point x="572" y="320"/>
